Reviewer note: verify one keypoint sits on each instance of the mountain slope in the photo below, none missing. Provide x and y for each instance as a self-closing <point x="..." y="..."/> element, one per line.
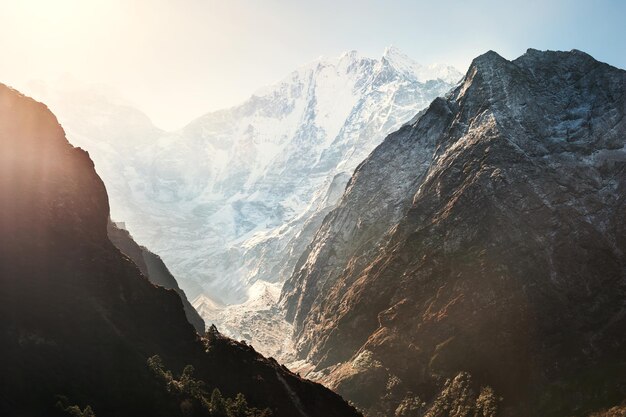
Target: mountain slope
<point x="153" y="268"/>
<point x="486" y="237"/>
<point x="78" y="319"/>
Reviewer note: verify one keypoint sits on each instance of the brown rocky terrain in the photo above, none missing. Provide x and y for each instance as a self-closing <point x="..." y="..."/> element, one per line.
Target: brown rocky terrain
<point x="475" y="264"/>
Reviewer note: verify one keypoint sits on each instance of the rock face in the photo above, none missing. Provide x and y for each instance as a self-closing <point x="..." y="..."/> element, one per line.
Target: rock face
<point x="153" y="268"/>
<point x="482" y="244"/>
<point x="77" y="317"/>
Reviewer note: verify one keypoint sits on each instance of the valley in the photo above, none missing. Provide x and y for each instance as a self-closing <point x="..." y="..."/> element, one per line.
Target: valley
<point x="231" y="200"/>
<point x="369" y="236"/>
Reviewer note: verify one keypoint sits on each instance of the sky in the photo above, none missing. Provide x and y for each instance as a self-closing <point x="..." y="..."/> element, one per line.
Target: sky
<point x="178" y="59"/>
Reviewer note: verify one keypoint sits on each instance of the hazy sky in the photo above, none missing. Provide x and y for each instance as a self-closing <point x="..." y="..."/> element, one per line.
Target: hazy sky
<point x="177" y="59"/>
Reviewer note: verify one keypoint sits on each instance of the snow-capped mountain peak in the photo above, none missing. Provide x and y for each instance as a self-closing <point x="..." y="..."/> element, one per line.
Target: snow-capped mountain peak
<point x="404" y="64"/>
<point x="234" y="197"/>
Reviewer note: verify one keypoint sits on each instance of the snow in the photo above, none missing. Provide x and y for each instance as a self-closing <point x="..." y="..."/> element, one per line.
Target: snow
<point x="422" y="73"/>
<point x="257" y="321"/>
<point x="234" y="197"/>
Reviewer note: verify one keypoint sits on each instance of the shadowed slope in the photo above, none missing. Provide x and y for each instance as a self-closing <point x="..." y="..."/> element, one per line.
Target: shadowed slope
<point x="77" y="318"/>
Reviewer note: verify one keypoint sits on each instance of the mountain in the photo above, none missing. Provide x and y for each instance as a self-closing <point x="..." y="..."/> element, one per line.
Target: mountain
<point x="476" y="259"/>
<point x="235" y="197"/>
<point x="282" y="159"/>
<point x="80" y="324"/>
<point x="111" y="129"/>
<point x="153" y="268"/>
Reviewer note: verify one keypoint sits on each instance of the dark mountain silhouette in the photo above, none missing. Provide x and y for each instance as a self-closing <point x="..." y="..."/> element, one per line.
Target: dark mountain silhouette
<point x="152" y="267"/>
<point x="77" y="317"/>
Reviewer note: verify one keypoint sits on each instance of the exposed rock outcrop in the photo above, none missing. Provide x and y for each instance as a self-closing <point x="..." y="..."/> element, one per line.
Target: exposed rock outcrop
<point x="485" y="237"/>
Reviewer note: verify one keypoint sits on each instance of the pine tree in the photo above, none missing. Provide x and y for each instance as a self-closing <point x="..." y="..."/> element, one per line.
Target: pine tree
<point x="218" y="405"/>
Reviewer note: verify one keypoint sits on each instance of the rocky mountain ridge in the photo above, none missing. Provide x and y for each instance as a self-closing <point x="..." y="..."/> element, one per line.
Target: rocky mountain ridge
<point x="482" y="245"/>
<point x="153" y="268"/>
